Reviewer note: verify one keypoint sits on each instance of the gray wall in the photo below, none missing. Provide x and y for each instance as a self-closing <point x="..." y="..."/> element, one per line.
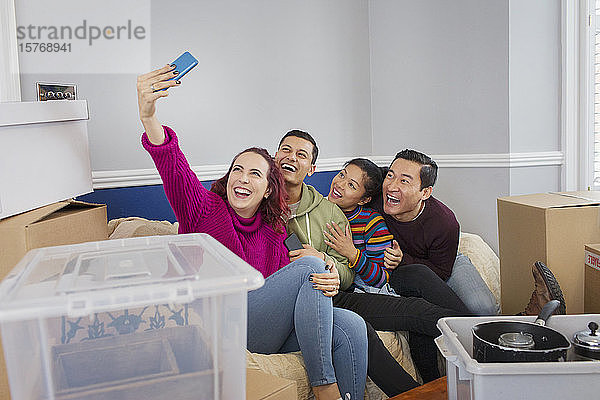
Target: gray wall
<point x="534" y="91"/>
<point x="440" y="75"/>
<point x="440" y="85"/>
<point x="534" y="60"/>
<point x="266" y="66"/>
<point x="469" y="77"/>
<point x="525" y="180"/>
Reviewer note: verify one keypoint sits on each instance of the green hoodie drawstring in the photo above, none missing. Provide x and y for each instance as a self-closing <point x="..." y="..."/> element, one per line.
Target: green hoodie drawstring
<point x="308" y="229"/>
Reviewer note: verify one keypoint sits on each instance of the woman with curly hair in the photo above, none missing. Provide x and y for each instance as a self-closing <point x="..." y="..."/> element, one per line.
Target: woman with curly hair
<point x="246" y="211"/>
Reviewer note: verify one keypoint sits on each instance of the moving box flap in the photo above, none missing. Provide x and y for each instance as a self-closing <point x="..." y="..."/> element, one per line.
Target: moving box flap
<point x="594" y="248"/>
<point x="50" y="211"/>
<point x="263" y="386"/>
<point x="31" y="217"/>
<point x="65" y="222"/>
<point x="73" y="222"/>
<point x="69" y="207"/>
<point x="555" y="199"/>
<point x="589" y="195"/>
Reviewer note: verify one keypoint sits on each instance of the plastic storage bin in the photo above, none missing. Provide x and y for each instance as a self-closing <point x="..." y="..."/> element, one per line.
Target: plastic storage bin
<point x="143" y="318"/>
<point x="469" y="379"/>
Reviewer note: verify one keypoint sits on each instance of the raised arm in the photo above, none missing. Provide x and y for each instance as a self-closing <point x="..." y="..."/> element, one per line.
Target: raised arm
<point x="148" y="91"/>
<point x="188" y="198"/>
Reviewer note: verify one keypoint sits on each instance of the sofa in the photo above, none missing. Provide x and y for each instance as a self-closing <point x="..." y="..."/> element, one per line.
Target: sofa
<point x="291" y="365"/>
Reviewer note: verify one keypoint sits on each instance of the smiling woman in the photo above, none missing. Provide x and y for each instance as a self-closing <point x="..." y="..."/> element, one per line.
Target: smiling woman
<point x="246" y="210"/>
<point x="367" y="237"/>
<point x="249" y="181"/>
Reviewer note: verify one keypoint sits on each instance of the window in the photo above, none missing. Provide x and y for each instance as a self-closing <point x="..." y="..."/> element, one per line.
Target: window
<point x="595" y="72"/>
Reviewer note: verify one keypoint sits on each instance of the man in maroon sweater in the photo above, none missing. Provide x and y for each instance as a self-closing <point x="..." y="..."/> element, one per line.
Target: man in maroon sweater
<point x="426" y="230"/>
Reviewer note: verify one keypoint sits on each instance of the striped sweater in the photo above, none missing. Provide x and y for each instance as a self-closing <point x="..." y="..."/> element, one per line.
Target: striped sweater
<point x="371" y="237"/>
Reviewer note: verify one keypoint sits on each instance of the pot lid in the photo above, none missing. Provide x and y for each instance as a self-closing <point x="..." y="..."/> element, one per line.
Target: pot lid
<point x="518" y="340"/>
<point x="589" y="338"/>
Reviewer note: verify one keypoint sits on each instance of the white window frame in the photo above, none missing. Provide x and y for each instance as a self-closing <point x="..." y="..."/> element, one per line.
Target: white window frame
<point x="577" y="94"/>
<point x="570" y="60"/>
<point x="10" y="85"/>
<point x="586" y="96"/>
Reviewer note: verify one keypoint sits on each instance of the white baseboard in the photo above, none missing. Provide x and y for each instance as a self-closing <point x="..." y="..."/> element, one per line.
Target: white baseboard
<point x="143" y="177"/>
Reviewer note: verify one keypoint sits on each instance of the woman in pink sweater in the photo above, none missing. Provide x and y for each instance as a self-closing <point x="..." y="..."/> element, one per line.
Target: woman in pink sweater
<point x="245" y="211"/>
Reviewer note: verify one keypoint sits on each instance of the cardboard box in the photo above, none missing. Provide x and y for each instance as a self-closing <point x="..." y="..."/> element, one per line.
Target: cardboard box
<point x="547" y="227"/>
<point x="592" y="279"/>
<point x="46" y="157"/>
<point x="262" y="386"/>
<point x="65" y="222"/>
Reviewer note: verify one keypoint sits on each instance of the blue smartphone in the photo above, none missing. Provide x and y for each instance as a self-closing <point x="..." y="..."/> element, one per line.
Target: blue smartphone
<point x="183" y="64"/>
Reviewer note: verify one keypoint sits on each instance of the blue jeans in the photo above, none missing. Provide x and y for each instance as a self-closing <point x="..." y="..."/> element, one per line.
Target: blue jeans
<point x="468" y="285"/>
<point x="287" y="314"/>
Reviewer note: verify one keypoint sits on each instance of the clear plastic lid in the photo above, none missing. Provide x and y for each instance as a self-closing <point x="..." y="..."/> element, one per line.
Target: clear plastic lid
<point x="85" y="278"/>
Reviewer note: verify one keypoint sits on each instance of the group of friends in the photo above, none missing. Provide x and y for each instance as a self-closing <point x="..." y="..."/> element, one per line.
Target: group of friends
<point x="379" y="253"/>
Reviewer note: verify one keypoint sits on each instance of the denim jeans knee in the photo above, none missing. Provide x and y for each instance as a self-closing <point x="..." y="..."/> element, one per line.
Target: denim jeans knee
<point x="312" y="263"/>
<point x="288" y="314"/>
<point x="469" y="286"/>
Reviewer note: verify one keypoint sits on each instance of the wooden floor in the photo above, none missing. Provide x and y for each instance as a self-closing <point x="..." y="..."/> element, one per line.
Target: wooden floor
<point x="434" y="390"/>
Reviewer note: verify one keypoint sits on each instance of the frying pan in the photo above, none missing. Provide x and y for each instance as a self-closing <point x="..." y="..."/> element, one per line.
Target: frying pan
<point x="516" y="341"/>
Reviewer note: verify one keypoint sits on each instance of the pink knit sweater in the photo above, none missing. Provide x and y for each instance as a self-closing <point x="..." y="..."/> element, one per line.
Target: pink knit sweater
<point x="199" y="210"/>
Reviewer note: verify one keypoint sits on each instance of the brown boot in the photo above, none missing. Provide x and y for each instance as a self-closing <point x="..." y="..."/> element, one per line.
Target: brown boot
<point x="546" y="289"/>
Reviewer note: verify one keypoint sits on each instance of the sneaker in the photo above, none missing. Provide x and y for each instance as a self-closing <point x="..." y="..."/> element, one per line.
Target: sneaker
<point x="546" y="289"/>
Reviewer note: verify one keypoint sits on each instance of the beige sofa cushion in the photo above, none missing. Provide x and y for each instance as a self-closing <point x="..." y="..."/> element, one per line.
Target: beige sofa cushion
<point x="135" y="227"/>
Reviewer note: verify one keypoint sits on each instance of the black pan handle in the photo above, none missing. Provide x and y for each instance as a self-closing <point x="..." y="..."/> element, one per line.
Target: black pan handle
<point x="546" y="312"/>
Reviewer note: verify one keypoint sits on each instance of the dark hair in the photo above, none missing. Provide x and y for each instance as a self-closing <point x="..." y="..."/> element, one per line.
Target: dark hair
<point x="305" y="136"/>
<point x="372" y="175"/>
<point x="429" y="168"/>
<point x="274" y="209"/>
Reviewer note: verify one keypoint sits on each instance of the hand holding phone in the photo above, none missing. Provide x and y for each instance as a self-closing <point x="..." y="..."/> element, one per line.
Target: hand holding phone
<point x="182" y="64"/>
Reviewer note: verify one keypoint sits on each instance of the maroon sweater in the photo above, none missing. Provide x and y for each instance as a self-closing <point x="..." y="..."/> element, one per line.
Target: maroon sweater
<point x="431" y="239"/>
